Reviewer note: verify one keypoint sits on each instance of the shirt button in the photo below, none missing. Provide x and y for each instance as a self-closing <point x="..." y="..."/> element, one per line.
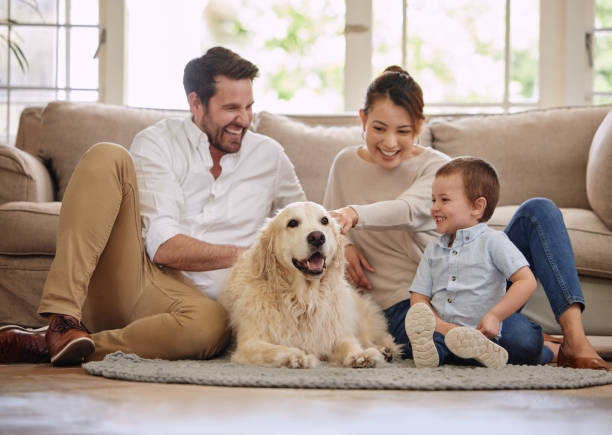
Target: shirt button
<point x="453" y="278"/>
<point x="454" y="252"/>
<point x="450" y="300"/>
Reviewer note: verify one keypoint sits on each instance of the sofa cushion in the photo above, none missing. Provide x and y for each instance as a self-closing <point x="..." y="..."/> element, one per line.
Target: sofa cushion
<point x="537" y="153"/>
<point x="23" y="177"/>
<point x="70" y="129"/>
<point x="29" y="228"/>
<point x="28" y="133"/>
<point x="311" y="149"/>
<point x="591" y="239"/>
<point x="599" y="172"/>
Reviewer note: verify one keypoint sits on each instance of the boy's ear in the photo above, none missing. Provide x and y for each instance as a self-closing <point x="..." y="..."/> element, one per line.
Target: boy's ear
<point x="479" y="206"/>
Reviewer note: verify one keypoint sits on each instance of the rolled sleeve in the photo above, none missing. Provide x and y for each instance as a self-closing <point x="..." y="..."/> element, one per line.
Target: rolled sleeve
<point x="160" y="230"/>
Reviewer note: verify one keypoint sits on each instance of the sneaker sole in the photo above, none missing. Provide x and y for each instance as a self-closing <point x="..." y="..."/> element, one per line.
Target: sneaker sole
<point x="470" y="343"/>
<point x="420" y="324"/>
<point x="74" y="353"/>
<point x="22" y="328"/>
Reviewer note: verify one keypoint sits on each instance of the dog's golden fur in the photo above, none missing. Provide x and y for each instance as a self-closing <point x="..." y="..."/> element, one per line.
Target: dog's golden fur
<point x="290" y="305"/>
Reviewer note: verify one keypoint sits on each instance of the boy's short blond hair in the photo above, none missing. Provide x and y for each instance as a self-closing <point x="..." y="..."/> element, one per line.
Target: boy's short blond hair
<point x="479" y="179"/>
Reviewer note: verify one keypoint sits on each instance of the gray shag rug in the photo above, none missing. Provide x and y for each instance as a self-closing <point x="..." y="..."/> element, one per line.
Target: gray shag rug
<point x="395" y="376"/>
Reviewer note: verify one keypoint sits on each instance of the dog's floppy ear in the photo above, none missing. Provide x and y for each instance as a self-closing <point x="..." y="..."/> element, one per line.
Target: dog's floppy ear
<point x="263" y="254"/>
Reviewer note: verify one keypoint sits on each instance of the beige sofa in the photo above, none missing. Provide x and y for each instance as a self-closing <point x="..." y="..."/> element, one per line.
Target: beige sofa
<point x="564" y="154"/>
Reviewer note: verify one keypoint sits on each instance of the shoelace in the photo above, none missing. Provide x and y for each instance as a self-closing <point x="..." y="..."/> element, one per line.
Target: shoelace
<point x="62" y="324"/>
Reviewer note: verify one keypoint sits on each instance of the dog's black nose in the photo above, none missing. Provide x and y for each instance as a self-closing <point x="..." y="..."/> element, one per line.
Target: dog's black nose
<point x="316" y="238"/>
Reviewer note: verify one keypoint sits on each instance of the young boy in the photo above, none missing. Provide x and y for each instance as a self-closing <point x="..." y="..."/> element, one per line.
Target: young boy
<point x="458" y="297"/>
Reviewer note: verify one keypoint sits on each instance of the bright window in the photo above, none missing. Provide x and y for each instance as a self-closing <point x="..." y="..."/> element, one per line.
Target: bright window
<point x="601" y="56"/>
<point x="47" y="52"/>
<point x="467" y="55"/>
<point x="298" y="46"/>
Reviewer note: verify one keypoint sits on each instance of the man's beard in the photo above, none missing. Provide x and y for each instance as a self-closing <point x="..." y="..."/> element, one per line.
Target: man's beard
<point x="217" y="142"/>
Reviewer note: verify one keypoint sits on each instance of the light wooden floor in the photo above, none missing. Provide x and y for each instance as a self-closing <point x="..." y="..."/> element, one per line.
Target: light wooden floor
<point x="40" y="399"/>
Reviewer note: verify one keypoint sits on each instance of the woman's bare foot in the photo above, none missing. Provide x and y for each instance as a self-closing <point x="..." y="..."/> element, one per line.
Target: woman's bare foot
<point x="577" y="350"/>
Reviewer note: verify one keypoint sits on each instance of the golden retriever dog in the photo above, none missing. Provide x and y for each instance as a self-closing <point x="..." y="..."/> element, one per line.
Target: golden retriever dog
<point x="290" y="305"/>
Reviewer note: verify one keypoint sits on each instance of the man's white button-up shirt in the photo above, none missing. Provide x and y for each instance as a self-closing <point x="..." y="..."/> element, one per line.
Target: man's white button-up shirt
<point x="179" y="195"/>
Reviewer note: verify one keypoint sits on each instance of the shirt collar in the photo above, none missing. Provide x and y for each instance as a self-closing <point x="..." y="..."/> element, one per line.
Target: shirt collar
<point x="195" y="136"/>
<point x="463" y="236"/>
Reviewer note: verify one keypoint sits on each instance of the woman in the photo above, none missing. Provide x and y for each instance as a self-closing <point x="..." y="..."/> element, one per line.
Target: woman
<point x="384" y="190"/>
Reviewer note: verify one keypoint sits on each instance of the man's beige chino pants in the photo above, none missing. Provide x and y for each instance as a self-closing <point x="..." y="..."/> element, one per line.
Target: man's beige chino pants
<point x="102" y="275"/>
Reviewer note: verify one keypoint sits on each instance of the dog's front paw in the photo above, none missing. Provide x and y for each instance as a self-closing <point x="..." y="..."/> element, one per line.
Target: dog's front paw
<point x="368" y="358"/>
<point x="386" y="352"/>
<point x="296" y="359"/>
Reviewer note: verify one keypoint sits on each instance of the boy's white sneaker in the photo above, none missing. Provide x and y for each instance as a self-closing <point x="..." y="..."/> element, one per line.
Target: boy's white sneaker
<point x="420" y="324"/>
<point x="470" y="343"/>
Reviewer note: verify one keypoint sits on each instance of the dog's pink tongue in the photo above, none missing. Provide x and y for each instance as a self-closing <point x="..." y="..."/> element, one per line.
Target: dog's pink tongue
<point x="315" y="262"/>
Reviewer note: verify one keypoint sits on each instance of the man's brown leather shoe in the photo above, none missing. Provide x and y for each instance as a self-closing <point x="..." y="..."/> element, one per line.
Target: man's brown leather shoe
<point x="21" y="345"/>
<point x="68" y="341"/>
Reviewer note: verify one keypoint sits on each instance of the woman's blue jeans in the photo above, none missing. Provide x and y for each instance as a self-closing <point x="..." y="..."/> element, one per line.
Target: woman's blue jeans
<point x="538" y="230"/>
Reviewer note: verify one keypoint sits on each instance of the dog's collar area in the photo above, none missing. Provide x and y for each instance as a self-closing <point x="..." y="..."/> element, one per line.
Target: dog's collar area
<point x="315" y="265"/>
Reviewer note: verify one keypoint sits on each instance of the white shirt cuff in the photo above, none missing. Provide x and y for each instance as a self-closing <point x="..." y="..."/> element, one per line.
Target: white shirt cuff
<point x="160" y="231"/>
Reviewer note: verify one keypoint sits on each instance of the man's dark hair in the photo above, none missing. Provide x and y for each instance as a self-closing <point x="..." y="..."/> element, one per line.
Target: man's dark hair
<point x="201" y="73"/>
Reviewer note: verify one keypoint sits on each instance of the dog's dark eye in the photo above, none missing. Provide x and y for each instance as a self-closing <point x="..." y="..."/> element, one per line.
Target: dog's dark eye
<point x="324" y="220"/>
<point x="292" y="223"/>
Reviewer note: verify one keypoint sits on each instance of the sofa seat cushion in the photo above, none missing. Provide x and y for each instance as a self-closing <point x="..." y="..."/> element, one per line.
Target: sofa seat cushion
<point x="311" y="149"/>
<point x="29" y="228"/>
<point x="538" y="153"/>
<point x="591" y="239"/>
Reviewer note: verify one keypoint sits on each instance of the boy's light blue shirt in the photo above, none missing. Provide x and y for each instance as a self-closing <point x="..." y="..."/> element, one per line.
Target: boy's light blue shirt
<point x="466" y="280"/>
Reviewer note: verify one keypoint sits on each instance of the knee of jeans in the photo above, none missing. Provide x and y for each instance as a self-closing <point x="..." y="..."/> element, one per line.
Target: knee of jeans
<point x="524" y="348"/>
<point x="540" y="206"/>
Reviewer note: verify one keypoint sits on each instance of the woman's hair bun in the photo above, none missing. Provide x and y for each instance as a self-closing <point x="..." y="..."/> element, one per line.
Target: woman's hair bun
<point x="397" y="69"/>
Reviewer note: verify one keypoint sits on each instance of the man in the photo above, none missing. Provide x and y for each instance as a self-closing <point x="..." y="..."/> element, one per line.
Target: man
<point x="200" y="187"/>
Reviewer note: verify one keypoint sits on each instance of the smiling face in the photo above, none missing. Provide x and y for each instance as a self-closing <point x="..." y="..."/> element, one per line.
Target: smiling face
<point x="390" y="133"/>
<point x="228" y="115"/>
<point x="451" y="209"/>
<point x="306" y="239"/>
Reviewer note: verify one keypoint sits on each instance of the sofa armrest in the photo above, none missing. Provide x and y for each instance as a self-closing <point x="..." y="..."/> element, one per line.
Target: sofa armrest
<point x="23" y="177"/>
